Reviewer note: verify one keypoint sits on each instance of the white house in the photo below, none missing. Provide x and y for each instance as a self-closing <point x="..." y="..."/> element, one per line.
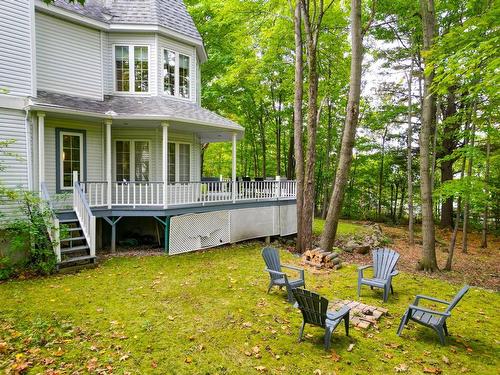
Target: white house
<point x="102" y="104"/>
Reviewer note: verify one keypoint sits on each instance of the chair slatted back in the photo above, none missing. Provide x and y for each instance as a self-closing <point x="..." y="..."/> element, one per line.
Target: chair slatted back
<point x="272" y="259"/>
<point x="457" y="298"/>
<point x="384" y="262"/>
<point x="312" y="305"/>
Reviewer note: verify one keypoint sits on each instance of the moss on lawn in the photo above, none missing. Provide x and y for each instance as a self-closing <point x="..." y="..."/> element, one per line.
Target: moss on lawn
<point x="208" y="312"/>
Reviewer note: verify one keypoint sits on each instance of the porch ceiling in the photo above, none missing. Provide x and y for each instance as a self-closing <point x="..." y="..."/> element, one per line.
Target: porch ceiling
<point x="150" y="111"/>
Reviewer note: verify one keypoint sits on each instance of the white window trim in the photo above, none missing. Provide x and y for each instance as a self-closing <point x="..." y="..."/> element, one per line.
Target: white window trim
<point x="176" y="74"/>
<point x="177" y="162"/>
<point x="61" y="161"/>
<point x="132" y="158"/>
<point x="131" y="54"/>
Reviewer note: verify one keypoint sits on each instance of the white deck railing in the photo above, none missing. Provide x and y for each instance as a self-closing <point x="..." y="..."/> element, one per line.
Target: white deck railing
<point x="148" y="193"/>
<point x="84" y="214"/>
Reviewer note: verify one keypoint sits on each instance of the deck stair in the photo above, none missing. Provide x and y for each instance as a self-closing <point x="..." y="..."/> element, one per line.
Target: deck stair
<point x="75" y="251"/>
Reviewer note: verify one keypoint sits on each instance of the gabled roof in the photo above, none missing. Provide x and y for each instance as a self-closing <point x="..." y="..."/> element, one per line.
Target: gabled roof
<point x="171" y="14"/>
<point x="132" y="107"/>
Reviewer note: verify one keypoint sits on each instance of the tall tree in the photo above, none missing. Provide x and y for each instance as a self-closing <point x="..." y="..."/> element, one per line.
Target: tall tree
<point x="409" y="139"/>
<point x="349" y="133"/>
<point x="428" y="261"/>
<point x="297" y="121"/>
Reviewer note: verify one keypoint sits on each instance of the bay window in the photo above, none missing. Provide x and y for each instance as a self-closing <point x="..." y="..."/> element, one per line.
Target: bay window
<point x="131" y="69"/>
<point x="176" y="74"/>
<point x="132" y="159"/>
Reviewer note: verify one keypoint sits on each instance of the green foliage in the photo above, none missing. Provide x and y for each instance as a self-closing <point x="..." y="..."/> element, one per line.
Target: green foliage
<point x="28" y="229"/>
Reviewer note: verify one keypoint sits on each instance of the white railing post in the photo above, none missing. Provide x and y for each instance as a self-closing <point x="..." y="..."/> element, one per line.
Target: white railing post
<point x="41" y="148"/>
<point x="278" y="187"/>
<point x="56" y="239"/>
<point x="92" y="235"/>
<point x="233" y="174"/>
<point x="75" y="178"/>
<point x="164" y="125"/>
<point x="108" y="162"/>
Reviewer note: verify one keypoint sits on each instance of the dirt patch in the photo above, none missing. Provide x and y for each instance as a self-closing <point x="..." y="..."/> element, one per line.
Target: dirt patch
<point x="479" y="267"/>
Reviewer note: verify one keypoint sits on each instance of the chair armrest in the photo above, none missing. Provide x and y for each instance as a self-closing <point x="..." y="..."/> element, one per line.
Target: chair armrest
<point x="423" y="309"/>
<point x="394" y="273"/>
<point x="275" y="272"/>
<point x="420" y="296"/>
<point x="362" y="268"/>
<point x="298" y="269"/>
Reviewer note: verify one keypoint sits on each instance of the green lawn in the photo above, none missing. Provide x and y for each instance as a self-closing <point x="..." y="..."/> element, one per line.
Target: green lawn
<point x="208" y="312"/>
<point x="345" y="228"/>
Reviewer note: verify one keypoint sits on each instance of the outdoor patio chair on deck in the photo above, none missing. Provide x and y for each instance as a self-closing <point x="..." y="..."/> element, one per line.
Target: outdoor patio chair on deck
<point x="431" y="318"/>
<point x="314" y="311"/>
<point x="384" y="268"/>
<point x="278" y="277"/>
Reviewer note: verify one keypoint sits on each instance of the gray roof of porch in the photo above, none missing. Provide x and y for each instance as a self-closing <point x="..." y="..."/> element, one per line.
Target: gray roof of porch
<point x="133" y="107"/>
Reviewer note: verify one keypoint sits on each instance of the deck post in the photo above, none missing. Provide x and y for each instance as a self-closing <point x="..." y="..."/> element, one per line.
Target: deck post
<point x="164" y="125"/>
<point x="41" y="149"/>
<point x="113" y="223"/>
<point x="108" y="161"/>
<point x="233" y="175"/>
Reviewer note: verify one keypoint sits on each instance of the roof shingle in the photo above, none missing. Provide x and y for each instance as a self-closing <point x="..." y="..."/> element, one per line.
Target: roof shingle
<point x="171" y="14"/>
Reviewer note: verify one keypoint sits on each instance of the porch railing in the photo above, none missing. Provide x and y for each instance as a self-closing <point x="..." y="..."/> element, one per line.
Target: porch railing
<point x="84" y="214"/>
<point x="51" y="222"/>
<point x="151" y="193"/>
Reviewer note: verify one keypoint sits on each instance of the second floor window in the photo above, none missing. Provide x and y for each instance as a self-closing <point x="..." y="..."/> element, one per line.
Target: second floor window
<point x="176" y="74"/>
<point x="132" y="68"/>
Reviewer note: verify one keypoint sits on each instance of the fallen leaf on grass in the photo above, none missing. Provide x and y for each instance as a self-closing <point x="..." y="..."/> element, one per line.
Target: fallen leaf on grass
<point x="261" y="368"/>
<point x="432" y="370"/>
<point x="59" y="352"/>
<point x="247" y="325"/>
<point x="124" y="357"/>
<point x="188" y="360"/>
<point x="154" y="364"/>
<point x="256" y="349"/>
<point x="446" y="359"/>
<point x="351" y="346"/>
<point x="401" y="368"/>
<point x="170" y="317"/>
<point x="3" y="347"/>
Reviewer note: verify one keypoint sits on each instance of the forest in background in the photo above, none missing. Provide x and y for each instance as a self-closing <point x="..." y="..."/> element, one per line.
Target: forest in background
<point x="429" y="73"/>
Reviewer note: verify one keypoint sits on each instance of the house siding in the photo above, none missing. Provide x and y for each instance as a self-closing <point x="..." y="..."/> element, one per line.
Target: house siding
<point x="15" y="164"/>
<point x="16" y="47"/>
<point x="68" y="57"/>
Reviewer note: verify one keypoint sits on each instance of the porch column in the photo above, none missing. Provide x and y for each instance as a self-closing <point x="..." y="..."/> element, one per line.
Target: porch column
<point x="234" y="168"/>
<point x="108" y="161"/>
<point x="41" y="149"/>
<point x="164" y="126"/>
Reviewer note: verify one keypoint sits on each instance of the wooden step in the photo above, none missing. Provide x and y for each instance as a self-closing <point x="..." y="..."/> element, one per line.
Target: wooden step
<point x="78" y="259"/>
<point x="73" y="239"/>
<point x="68" y="221"/>
<point x="73" y="229"/>
<point x="73" y="249"/>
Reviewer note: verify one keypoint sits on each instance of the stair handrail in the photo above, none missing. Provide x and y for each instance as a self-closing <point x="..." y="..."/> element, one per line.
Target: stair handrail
<point x="51" y="222"/>
<point x="84" y="214"/>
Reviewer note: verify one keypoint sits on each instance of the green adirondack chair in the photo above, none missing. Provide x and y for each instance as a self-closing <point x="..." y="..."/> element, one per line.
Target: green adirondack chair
<point x="314" y="311"/>
<point x="384" y="269"/>
<point x="277" y="276"/>
<point x="431" y="318"/>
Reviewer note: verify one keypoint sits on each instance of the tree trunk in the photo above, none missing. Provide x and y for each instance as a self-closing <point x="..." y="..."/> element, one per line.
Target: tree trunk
<point x="467" y="200"/>
<point x="381" y="175"/>
<point x="297" y="123"/>
<point x="328" y="151"/>
<point x="428" y="261"/>
<point x="453" y="240"/>
<point x="349" y="133"/>
<point x="409" y="139"/>
<point x="484" y="236"/>
<point x="448" y="145"/>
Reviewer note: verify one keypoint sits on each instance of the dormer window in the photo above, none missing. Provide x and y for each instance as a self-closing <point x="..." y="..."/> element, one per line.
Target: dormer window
<point x="134" y="80"/>
<point x="176" y="74"/>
